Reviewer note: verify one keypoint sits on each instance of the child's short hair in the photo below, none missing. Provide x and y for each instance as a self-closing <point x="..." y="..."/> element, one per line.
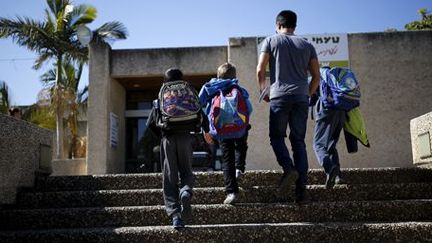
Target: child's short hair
<point x="226" y="71"/>
<point x="173" y="74"/>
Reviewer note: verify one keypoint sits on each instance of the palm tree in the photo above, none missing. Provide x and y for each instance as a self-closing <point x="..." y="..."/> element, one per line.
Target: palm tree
<point x="55" y="38"/>
<point x="4" y="98"/>
<point x="66" y="97"/>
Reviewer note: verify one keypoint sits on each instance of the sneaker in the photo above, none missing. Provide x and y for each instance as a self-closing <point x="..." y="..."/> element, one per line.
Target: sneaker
<point x="239" y="174"/>
<point x="331" y="177"/>
<point x="287" y="180"/>
<point x="230" y="198"/>
<point x="177" y="222"/>
<point x="339" y="180"/>
<point x="185" y="199"/>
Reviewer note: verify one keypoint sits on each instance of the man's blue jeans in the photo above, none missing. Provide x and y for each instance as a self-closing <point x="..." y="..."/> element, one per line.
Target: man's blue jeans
<point x="292" y="111"/>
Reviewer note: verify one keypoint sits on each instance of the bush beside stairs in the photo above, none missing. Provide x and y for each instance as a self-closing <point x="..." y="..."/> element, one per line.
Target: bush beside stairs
<point x="376" y="205"/>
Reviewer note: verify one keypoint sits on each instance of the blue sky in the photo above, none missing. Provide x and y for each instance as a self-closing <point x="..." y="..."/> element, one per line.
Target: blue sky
<point x="171" y="23"/>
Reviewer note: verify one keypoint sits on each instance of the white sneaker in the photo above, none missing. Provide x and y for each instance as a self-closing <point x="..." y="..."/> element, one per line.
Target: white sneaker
<point x="239" y="174"/>
<point x="230" y="198"/>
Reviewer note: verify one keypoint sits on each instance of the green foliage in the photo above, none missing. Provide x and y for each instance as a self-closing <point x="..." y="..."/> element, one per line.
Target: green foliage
<point x="42" y="116"/>
<point x="4" y="98"/>
<point x="424" y="24"/>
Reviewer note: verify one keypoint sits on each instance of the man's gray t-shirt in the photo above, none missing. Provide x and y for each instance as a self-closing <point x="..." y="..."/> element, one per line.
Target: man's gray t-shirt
<point x="289" y="61"/>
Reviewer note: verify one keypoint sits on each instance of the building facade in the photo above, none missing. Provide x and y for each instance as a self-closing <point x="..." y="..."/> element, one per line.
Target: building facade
<point x="393" y="69"/>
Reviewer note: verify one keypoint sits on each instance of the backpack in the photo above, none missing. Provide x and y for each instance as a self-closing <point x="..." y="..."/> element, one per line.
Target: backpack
<point x="339" y="88"/>
<point x="229" y="114"/>
<point x="178" y="103"/>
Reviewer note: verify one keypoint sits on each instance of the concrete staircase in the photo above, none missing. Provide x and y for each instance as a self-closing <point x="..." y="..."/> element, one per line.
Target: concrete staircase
<point x="377" y="205"/>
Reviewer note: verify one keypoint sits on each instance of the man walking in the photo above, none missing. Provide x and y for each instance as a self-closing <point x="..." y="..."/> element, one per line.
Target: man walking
<point x="290" y="58"/>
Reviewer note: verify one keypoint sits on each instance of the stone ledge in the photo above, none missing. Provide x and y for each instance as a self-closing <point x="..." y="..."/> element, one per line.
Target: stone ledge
<point x="215" y="179"/>
<point x="68" y="167"/>
<point x="283" y="232"/>
<point x="22" y="155"/>
<point x="107" y="198"/>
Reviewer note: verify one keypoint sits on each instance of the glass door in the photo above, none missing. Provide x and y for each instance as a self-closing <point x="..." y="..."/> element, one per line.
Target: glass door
<point x="142" y="154"/>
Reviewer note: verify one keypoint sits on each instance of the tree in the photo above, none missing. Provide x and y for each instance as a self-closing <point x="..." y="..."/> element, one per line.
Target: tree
<point x="424" y="24"/>
<point x="4" y="98"/>
<point x="55" y="38"/>
<point x="66" y="97"/>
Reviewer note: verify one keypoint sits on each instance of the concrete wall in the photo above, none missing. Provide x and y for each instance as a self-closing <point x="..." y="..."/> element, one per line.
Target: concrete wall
<point x="396" y="83"/>
<point x="421" y="126"/>
<point x="25" y="149"/>
<point x="116" y="155"/>
<point x="154" y="62"/>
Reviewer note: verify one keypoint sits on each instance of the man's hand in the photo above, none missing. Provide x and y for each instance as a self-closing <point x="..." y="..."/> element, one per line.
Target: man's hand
<point x="208" y="138"/>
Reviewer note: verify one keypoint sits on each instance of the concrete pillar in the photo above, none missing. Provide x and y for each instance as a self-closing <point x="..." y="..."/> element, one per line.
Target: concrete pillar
<point x="98" y="108"/>
<point x="242" y="52"/>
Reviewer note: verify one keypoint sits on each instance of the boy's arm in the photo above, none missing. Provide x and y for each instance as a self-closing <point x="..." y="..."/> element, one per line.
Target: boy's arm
<point x="205" y="126"/>
<point x="151" y="122"/>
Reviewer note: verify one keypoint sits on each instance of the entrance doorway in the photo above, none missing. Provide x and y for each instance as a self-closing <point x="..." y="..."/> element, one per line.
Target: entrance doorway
<point x="142" y="145"/>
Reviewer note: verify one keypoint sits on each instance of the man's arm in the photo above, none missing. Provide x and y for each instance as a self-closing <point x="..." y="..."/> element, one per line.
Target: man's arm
<point x="314" y="71"/>
<point x="261" y="71"/>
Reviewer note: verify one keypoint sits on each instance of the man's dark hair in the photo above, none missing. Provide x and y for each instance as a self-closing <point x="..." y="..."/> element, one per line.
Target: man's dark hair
<point x="287" y="19"/>
<point x="173" y="74"/>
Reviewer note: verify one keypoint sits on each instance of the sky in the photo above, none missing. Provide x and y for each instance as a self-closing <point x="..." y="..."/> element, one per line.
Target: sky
<point x="188" y="23"/>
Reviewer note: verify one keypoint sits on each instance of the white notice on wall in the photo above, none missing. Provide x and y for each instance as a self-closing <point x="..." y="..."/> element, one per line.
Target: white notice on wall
<point x="114" y="127"/>
<point x="330" y="47"/>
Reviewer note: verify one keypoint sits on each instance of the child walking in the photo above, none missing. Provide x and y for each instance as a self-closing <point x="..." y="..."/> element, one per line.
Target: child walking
<point x="175" y="114"/>
<point x="227" y="108"/>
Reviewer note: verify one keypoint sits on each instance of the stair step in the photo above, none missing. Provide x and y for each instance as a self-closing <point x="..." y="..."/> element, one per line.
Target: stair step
<point x="354" y="211"/>
<point x="212" y="179"/>
<point x="105" y="198"/>
<point x="279" y="232"/>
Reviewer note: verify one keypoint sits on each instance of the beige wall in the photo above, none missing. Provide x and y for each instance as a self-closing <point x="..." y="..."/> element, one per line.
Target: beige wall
<point x="396" y="83"/>
<point x="116" y="155"/>
<point x="154" y="62"/>
<point x="393" y="69"/>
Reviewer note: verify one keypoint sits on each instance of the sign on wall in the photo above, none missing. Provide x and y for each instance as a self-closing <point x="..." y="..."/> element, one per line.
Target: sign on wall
<point x="114" y="129"/>
<point x="332" y="49"/>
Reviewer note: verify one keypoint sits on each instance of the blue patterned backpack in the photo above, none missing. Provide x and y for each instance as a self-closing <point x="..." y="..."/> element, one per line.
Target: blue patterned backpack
<point x="339" y="88"/>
